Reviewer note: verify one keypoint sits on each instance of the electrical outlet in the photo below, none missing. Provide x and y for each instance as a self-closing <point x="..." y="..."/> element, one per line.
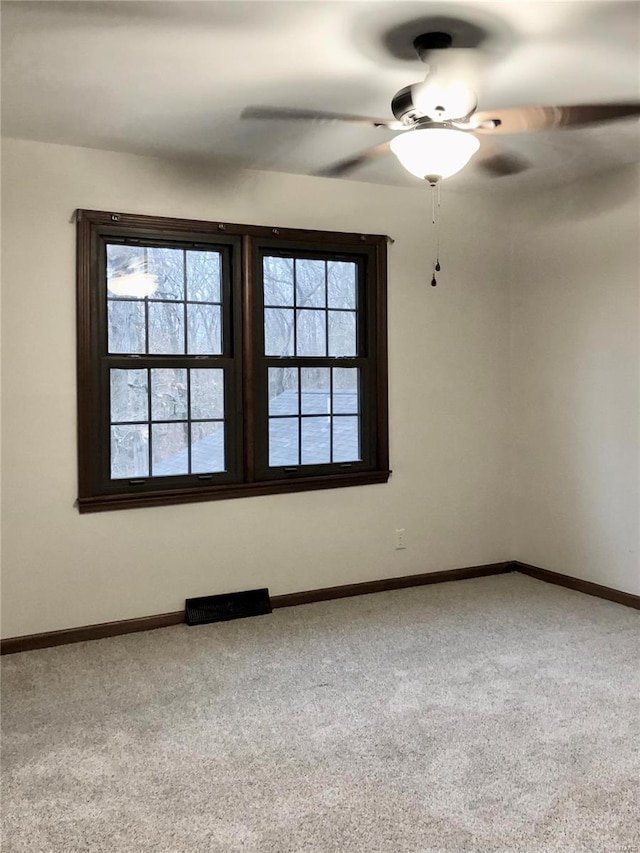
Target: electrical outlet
<point x="400" y="539"/>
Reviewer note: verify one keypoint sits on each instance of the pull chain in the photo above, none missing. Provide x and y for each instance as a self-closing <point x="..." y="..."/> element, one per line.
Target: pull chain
<point x="435" y="220"/>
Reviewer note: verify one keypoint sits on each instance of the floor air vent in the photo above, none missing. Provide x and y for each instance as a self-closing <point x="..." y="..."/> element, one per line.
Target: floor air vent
<point x="232" y="605"/>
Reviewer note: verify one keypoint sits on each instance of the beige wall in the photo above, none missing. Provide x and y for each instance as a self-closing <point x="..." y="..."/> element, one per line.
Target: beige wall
<point x="576" y="380"/>
<point x="525" y="359"/>
<point x="448" y="398"/>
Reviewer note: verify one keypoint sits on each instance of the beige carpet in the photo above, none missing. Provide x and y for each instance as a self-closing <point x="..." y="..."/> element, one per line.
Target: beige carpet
<point x="496" y="715"/>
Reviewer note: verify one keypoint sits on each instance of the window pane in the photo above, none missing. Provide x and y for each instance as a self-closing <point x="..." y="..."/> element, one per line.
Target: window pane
<point x="168" y="394"/>
<point x="341" y="283"/>
<point x="129" y="395"/>
<point x="170" y="449"/>
<point x="127" y="272"/>
<point x="204" y="327"/>
<point x="283" y="441"/>
<point x="126" y="326"/>
<point x="342" y="333"/>
<point x="278" y="331"/>
<point x="203" y="276"/>
<point x="283" y="390"/>
<point x="207" y="447"/>
<point x="345" y="390"/>
<point x="346" y="439"/>
<point x="316" y="441"/>
<point x="207" y="393"/>
<point x="311" y="333"/>
<point x="167" y="265"/>
<point x="129" y="451"/>
<point x="166" y="328"/>
<point x="278" y="281"/>
<point x="310" y="284"/>
<point x="315" y="390"/>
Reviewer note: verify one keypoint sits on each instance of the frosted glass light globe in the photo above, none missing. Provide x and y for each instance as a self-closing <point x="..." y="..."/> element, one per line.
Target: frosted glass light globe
<point x="437" y="152"/>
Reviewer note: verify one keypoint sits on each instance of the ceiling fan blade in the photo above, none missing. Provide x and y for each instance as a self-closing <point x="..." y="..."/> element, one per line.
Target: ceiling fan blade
<point x="292" y="114"/>
<point x="532" y="119"/>
<point x="336" y="170"/>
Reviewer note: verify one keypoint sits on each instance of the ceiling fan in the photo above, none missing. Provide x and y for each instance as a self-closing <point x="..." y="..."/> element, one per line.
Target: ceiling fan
<point x="437" y="124"/>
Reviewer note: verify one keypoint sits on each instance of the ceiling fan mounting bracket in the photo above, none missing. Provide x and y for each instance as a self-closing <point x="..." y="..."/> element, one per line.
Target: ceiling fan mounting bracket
<point x="428" y="42"/>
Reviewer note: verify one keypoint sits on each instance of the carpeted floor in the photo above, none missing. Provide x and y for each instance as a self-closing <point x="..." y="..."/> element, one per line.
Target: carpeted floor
<point x="496" y="715"/>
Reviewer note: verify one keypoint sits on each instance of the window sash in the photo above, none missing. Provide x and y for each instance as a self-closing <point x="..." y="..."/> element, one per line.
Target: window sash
<point x="366" y="409"/>
<point x="232" y="425"/>
<point x="365" y="321"/>
<point x="227" y="361"/>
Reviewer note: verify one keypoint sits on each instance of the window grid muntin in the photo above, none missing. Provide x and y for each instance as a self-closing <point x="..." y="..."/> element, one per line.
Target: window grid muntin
<point x="223" y="360"/>
<point x="331" y="415"/>
<point x="187" y="422"/>
<point x="326" y="309"/>
<point x="186" y="324"/>
<point x="185" y="301"/>
<point x="363" y="316"/>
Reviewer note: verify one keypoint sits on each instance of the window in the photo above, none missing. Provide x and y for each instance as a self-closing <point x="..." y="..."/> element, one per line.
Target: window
<point x="219" y="360"/>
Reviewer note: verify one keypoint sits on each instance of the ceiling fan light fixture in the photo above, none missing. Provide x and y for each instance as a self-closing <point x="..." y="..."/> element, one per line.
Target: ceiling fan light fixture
<point x="434" y="151"/>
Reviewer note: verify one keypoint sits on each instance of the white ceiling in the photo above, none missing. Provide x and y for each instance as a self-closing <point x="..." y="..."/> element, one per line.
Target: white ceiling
<point x="171" y="78"/>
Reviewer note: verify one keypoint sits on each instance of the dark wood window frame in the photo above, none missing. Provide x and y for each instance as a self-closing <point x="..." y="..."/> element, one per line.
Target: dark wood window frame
<point x="243" y="359"/>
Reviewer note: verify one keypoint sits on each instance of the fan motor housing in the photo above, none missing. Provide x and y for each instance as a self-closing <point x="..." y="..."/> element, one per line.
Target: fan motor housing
<point x="404" y="110"/>
<point x="402" y="106"/>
